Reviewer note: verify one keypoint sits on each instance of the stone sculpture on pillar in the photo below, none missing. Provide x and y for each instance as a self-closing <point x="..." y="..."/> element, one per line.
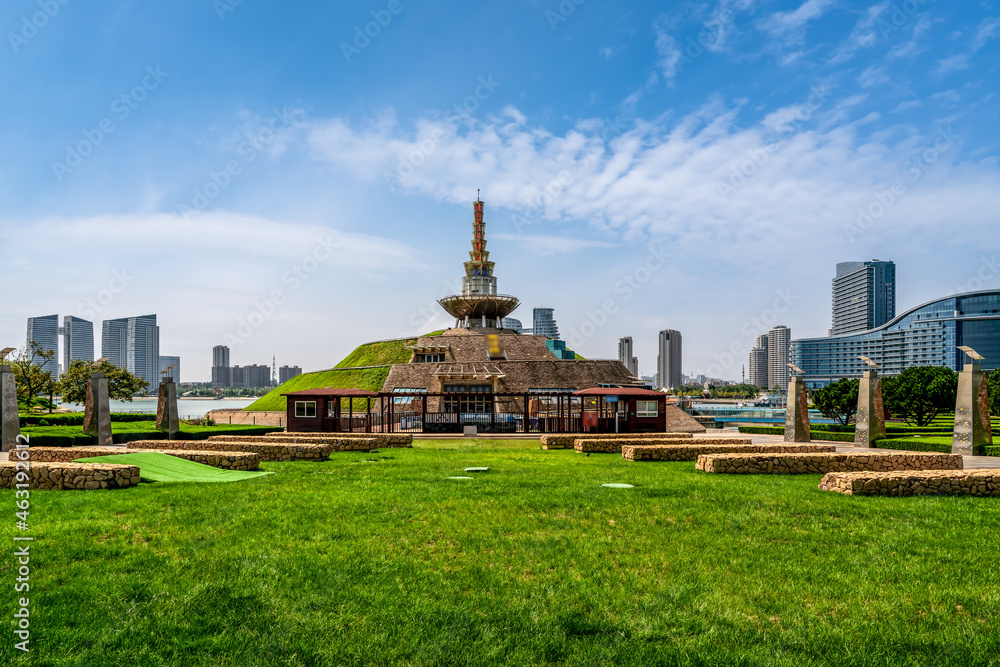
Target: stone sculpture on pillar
<point x="796" y="409"/>
<point x="166" y="406"/>
<point x="10" y="427"/>
<point x="97" y="410"/>
<point x="870" y="423"/>
<point x="972" y="407"/>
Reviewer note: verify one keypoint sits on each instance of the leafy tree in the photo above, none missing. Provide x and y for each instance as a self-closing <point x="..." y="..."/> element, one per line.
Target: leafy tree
<point x="122" y="385"/>
<point x="27" y="366"/>
<point x="993" y="384"/>
<point x="921" y="393"/>
<point x="838" y="400"/>
<point x="735" y="391"/>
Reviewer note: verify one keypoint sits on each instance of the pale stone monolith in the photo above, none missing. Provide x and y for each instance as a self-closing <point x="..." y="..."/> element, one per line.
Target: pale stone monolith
<point x="11" y="425"/>
<point x="972" y="411"/>
<point x="871" y="415"/>
<point x="797" y="411"/>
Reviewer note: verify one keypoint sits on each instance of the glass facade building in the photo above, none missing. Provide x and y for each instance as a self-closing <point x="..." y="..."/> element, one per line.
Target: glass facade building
<point x="927" y="335"/>
<point x="864" y="296"/>
<point x="44" y="331"/>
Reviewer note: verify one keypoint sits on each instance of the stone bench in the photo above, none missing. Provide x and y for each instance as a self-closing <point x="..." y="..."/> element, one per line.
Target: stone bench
<point x="68" y="476"/>
<point x="606" y="446"/>
<point x="690" y="452"/>
<point x="974" y="482"/>
<point x="819" y="464"/>
<point x="268" y="451"/>
<point x="329" y="445"/>
<point x="566" y="440"/>
<point x="224" y="460"/>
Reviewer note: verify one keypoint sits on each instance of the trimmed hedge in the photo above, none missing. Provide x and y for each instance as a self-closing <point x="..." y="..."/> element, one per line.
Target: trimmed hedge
<point x="913" y="445"/>
<point x="76" y="418"/>
<point x="188" y="432"/>
<point x="991" y="450"/>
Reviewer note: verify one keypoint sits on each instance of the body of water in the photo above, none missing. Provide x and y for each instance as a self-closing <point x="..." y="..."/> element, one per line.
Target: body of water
<point x="187" y="408"/>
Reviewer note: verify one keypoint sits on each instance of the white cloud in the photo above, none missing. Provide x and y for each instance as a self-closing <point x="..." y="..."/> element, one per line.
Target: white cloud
<point x="863" y="35"/>
<point x="668" y="51"/>
<point x="790" y="26"/>
<point x="907" y="105"/>
<point x="952" y="64"/>
<point x="551" y="245"/>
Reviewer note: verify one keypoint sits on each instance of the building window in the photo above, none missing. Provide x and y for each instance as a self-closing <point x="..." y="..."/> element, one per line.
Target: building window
<point x="428" y="358"/>
<point x="645" y="409"/>
<point x="305" y="408"/>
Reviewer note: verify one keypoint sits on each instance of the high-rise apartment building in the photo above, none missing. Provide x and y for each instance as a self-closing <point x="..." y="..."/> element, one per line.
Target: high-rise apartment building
<point x="254" y="375"/>
<point x="175" y="372"/>
<point x="114" y="341"/>
<point x="864" y="296"/>
<point x="544" y="323"/>
<point x="222" y="376"/>
<point x="286" y="373"/>
<point x="44" y="331"/>
<point x="759" y="363"/>
<point x="668" y="361"/>
<point x="133" y="343"/>
<point x="778" y="374"/>
<point x="78" y="340"/>
<point x="626" y="357"/>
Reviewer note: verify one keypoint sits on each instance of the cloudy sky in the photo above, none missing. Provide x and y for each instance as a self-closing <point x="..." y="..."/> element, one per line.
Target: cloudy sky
<point x="297" y="178"/>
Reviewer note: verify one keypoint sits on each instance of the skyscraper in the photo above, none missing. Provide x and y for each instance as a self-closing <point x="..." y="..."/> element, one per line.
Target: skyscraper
<point x="544" y="323"/>
<point x="625" y="355"/>
<point x="114" y="341"/>
<point x="222" y="376"/>
<point x="175" y="372"/>
<point x="864" y="296"/>
<point x="759" y="363"/>
<point x="133" y="343"/>
<point x="668" y="361"/>
<point x="44" y="331"/>
<point x="78" y="340"/>
<point x="286" y="373"/>
<point x="777" y="357"/>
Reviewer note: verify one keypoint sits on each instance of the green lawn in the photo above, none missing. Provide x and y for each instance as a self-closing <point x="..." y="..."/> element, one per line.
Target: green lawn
<point x="380" y="559"/>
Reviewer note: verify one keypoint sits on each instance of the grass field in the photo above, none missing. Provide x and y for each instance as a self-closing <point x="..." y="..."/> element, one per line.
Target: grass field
<point x="380" y="559"/>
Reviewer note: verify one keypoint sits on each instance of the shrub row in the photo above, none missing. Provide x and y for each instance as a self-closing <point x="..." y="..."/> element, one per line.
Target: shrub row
<point x="76" y="418"/>
<point x="991" y="450"/>
<point x="120" y="438"/>
<point x="913" y="445"/>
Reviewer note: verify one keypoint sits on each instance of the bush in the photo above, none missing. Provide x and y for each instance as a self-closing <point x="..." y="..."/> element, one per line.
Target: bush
<point x="914" y="445"/>
<point x="991" y="450"/>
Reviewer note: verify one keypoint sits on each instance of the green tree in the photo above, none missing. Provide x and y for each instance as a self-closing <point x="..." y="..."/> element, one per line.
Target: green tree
<point x="993" y="384"/>
<point x="122" y="385"/>
<point x="27" y="367"/>
<point x="921" y="393"/>
<point x="838" y="400"/>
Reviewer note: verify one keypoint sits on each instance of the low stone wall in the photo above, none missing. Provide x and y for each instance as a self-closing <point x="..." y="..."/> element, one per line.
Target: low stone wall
<point x="587" y="445"/>
<point x="976" y="482"/>
<point x="268" y="451"/>
<point x="818" y="464"/>
<point x="225" y="460"/>
<point x="382" y="440"/>
<point x="69" y="476"/>
<point x="567" y="440"/>
<point x="690" y="452"/>
<point x="329" y="445"/>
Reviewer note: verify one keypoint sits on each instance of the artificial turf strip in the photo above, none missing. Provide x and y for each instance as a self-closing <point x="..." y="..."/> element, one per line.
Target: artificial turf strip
<point x="157" y="467"/>
<point x="354" y="562"/>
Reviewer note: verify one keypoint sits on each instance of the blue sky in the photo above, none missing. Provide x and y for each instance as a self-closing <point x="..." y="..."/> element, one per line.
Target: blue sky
<point x="273" y="177"/>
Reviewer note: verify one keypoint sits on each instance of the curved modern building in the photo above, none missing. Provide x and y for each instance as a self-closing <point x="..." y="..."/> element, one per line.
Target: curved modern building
<point x="927" y="335"/>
